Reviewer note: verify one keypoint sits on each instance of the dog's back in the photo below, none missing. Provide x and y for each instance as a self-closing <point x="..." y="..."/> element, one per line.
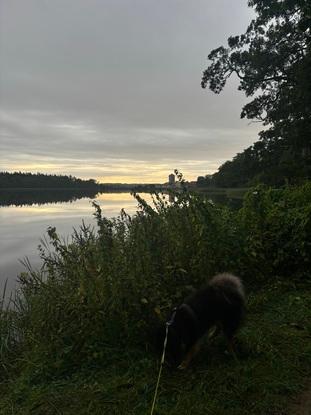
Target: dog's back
<point x="221" y="301"/>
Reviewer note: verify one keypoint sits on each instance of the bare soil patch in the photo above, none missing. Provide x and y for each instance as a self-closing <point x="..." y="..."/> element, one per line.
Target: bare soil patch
<point x="301" y="405"/>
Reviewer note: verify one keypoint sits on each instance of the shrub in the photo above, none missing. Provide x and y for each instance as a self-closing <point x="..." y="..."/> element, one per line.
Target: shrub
<point x="277" y="225"/>
<point x="109" y="287"/>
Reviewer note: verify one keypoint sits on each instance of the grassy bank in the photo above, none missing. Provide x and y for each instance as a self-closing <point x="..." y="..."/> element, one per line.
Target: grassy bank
<point x="274" y="352"/>
<point x="80" y="337"/>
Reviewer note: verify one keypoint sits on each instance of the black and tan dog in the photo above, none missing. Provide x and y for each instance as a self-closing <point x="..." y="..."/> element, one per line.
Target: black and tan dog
<point x="220" y="303"/>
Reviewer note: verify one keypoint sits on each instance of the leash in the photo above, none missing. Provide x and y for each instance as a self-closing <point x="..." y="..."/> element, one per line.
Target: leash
<point x="168" y="323"/>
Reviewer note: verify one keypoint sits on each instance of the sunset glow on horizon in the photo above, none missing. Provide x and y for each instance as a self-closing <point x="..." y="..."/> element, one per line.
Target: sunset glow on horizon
<point x="93" y="93"/>
<point x="120" y="172"/>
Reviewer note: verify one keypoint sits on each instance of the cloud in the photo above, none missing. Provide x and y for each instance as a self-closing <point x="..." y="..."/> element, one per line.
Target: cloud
<point x="111" y="88"/>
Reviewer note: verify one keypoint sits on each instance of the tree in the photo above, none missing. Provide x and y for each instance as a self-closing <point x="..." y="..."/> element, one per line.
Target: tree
<point x="272" y="61"/>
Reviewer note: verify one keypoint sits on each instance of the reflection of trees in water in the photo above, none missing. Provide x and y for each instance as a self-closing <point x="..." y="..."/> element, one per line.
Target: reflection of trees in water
<point x="20" y="197"/>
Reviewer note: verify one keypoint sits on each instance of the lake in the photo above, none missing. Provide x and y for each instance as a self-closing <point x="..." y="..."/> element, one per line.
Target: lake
<point x="24" y="219"/>
<point x="26" y="215"/>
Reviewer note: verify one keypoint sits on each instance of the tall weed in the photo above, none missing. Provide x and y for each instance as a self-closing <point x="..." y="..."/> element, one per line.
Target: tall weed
<point x="109" y="287"/>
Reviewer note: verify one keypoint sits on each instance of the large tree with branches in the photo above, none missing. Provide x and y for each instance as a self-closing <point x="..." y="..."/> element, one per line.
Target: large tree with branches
<point x="272" y="61"/>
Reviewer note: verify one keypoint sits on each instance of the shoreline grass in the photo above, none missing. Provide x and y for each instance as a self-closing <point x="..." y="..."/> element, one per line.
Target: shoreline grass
<point x="80" y="338"/>
<point x="274" y="364"/>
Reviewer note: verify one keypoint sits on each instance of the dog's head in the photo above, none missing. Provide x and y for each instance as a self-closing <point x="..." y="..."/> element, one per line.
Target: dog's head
<point x="182" y="332"/>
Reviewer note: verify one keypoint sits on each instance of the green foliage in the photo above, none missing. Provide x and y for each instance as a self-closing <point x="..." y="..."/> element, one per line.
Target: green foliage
<point x="269" y="162"/>
<point x="272" y="57"/>
<point x="278" y="224"/>
<point x="110" y="287"/>
<point x="105" y="291"/>
<point x="7" y="332"/>
<point x="274" y="353"/>
<point x="272" y="61"/>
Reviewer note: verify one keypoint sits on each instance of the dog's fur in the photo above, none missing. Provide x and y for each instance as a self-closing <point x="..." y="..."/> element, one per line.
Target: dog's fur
<point x="221" y="302"/>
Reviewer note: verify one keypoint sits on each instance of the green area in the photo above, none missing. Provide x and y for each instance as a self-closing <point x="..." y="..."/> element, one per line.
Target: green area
<point x="79" y="335"/>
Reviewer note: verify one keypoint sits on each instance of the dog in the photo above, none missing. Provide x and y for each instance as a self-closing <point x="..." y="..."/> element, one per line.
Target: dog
<point x="220" y="303"/>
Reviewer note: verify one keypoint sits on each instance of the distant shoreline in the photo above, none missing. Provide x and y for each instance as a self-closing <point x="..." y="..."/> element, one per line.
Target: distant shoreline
<point x="103" y="187"/>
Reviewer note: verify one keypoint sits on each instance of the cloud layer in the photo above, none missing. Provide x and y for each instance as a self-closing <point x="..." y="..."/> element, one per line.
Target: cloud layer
<point x="110" y="89"/>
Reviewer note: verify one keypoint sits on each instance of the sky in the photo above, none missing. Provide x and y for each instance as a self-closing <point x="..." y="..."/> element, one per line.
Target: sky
<point x="110" y="89"/>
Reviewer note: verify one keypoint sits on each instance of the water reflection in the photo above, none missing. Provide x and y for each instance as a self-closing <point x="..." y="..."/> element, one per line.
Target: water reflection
<point x="22" y="197"/>
<point x="26" y="220"/>
<point x="26" y="215"/>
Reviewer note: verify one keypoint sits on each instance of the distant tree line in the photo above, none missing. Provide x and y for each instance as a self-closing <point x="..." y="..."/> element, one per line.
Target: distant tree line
<point x="46" y="181"/>
<point x="272" y="61"/>
<point x="272" y="163"/>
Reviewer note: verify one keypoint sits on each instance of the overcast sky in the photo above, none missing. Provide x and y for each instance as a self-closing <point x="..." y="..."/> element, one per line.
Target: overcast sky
<point x="110" y="89"/>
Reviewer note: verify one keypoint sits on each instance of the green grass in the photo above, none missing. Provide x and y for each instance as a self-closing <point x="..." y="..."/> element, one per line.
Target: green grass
<point x="78" y="339"/>
<point x="274" y="361"/>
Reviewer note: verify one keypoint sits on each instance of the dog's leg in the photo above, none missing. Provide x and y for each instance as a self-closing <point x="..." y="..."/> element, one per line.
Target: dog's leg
<point x="230" y="327"/>
<point x="231" y="348"/>
<point x="189" y="356"/>
<point x="214" y="331"/>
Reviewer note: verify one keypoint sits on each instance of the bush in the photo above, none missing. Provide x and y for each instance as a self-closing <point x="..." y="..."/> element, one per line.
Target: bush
<point x="109" y="288"/>
<point x="277" y="225"/>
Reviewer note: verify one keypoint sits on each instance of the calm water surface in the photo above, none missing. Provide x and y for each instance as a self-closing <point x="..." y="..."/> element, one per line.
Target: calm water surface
<point x="25" y="217"/>
<point x="22" y="227"/>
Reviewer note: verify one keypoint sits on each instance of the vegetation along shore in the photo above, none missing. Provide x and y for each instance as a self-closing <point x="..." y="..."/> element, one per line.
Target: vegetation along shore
<point x="78" y="336"/>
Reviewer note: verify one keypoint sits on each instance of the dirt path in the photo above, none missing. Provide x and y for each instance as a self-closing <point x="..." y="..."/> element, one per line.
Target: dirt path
<point x="301" y="405"/>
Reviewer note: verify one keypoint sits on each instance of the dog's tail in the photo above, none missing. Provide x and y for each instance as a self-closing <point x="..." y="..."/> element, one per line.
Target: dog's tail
<point x="230" y="284"/>
<point x="229" y="297"/>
